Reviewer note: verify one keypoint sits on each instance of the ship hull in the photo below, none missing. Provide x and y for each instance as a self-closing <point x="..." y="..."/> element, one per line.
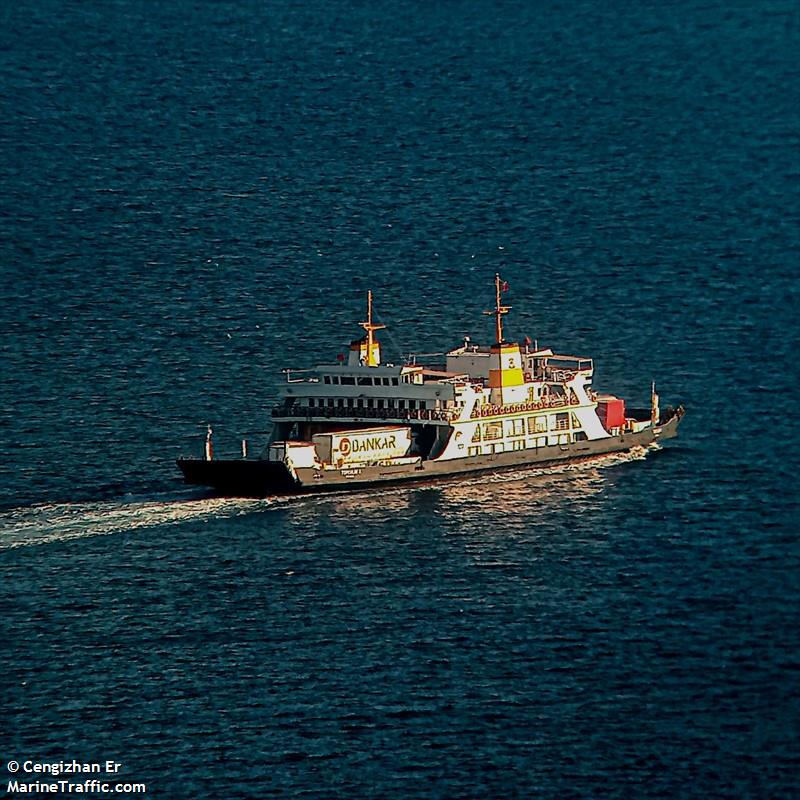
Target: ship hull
<point x="260" y="478"/>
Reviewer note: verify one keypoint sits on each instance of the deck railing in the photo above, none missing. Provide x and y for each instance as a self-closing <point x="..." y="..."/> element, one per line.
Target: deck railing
<point x="548" y="402"/>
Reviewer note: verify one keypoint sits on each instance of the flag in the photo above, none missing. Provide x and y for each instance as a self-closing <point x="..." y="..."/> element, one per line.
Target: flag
<point x="340" y="357"/>
<point x="528" y="341"/>
<point x="504" y="287"/>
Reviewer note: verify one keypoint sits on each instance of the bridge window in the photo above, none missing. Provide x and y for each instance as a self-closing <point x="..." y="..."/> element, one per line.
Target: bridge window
<point x="348" y="380"/>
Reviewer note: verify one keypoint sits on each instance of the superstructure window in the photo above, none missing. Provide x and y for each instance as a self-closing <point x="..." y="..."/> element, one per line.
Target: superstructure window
<point x="493" y="430"/>
<point x="537" y="424"/>
<point x="348" y="380"/>
<point x="515" y="427"/>
<point x="364" y="381"/>
<point x="326" y="378"/>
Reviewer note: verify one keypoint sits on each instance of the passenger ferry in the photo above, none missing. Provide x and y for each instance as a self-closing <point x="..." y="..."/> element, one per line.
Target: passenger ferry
<point x="360" y="422"/>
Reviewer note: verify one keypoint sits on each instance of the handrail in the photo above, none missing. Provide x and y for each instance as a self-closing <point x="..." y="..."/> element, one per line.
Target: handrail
<point x="516" y="408"/>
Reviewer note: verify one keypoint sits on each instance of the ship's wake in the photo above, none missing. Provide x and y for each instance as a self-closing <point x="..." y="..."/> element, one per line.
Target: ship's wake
<point x="58" y="522"/>
<point x="64" y="521"/>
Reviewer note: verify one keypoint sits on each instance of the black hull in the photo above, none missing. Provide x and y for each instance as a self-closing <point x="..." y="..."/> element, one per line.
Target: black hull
<point x="239" y="477"/>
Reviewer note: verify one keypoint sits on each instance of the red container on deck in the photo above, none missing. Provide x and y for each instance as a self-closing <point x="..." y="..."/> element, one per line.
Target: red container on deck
<point x="611" y="411"/>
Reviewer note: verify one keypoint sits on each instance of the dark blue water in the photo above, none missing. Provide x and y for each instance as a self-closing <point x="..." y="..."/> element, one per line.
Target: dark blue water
<point x="196" y="195"/>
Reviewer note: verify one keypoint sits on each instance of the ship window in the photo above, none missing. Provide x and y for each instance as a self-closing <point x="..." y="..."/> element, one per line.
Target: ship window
<point x="364" y="381"/>
<point x="476" y="437"/>
<point x="348" y="381"/>
<point x="395" y="382"/>
<point x="349" y="402"/>
<point x="537" y="424"/>
<point x="493" y="430"/>
<point x="515" y="427"/>
<point x="330" y="402"/>
<point x="580" y="436"/>
<point x="562" y="422"/>
<point x="360" y="403"/>
<point x="326" y="379"/>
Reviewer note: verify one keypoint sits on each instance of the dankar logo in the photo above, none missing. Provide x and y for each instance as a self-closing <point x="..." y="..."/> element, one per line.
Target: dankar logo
<point x="346" y="446"/>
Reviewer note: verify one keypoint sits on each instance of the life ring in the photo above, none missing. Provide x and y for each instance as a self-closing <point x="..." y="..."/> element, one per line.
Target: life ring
<point x="528" y="377"/>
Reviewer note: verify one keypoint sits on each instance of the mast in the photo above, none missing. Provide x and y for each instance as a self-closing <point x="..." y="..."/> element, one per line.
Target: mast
<point x="370" y="327"/>
<point x="499" y="310"/>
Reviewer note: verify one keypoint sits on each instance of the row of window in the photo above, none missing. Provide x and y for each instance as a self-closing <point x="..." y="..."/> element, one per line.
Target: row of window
<point x="376" y="403"/>
<point x="497" y="429"/>
<point x="350" y="380"/>
<point x="541" y="441"/>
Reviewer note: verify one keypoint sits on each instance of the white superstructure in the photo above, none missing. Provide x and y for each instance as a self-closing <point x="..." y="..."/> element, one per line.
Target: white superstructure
<point x="481" y="401"/>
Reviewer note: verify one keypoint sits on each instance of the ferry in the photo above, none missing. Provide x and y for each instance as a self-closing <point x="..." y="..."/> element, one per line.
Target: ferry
<point x="360" y="422"/>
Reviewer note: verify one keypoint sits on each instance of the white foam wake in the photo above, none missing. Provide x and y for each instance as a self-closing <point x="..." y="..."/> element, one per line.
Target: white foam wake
<point x="64" y="521"/>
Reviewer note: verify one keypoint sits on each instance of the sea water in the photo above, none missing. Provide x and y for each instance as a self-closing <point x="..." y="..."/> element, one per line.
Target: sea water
<point x="197" y="195"/>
